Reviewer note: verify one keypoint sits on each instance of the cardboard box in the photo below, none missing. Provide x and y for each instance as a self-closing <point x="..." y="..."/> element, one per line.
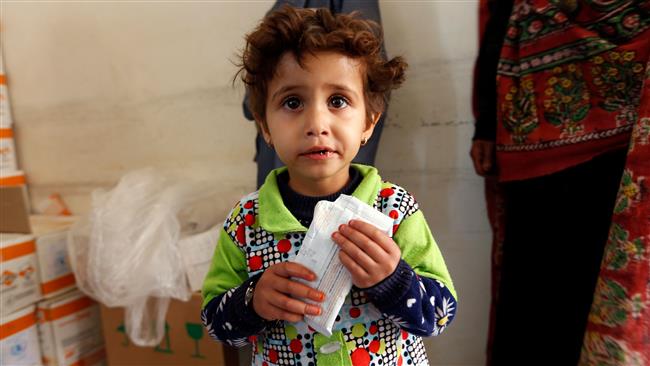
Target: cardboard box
<point x="51" y="234"/>
<point x="5" y="110"/>
<point x="18" y="271"/>
<point x="14" y="203"/>
<point x="186" y="342"/>
<point x="70" y="331"/>
<point x="19" y="338"/>
<point x="8" y="162"/>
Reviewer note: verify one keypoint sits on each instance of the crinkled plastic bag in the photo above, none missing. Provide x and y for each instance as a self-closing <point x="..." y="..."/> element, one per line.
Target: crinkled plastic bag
<point x="125" y="251"/>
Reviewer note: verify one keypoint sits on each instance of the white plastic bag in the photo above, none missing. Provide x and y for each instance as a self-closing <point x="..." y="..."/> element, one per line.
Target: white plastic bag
<point x="125" y="251"/>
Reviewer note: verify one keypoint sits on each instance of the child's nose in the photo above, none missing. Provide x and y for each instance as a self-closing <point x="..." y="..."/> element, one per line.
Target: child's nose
<point x="317" y="122"/>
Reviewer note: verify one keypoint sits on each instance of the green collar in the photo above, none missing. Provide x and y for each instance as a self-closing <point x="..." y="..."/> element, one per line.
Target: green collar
<point x="274" y="216"/>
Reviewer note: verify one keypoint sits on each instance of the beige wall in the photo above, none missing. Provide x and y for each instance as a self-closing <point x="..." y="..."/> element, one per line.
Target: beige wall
<point x="101" y="88"/>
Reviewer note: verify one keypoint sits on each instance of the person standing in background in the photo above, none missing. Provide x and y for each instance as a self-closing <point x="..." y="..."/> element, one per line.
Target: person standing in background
<point x="493" y="21"/>
<point x="265" y="155"/>
<point x="563" y="123"/>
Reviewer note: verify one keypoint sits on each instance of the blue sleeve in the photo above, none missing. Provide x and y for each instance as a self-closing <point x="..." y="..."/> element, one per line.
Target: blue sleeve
<point x="420" y="305"/>
<point x="229" y="320"/>
<point x="223" y="312"/>
<point x="419" y="296"/>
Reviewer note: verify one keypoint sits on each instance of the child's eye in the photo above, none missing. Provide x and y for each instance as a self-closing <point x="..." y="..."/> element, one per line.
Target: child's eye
<point x="292" y="103"/>
<point x="338" y="102"/>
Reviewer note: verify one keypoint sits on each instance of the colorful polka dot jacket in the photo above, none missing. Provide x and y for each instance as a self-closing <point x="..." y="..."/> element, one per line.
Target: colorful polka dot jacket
<point x="381" y="325"/>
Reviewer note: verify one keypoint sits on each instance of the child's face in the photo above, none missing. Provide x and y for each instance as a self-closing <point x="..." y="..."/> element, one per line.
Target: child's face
<point x="316" y="119"/>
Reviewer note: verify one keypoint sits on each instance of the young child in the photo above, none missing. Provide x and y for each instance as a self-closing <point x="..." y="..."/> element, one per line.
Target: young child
<point x="317" y="86"/>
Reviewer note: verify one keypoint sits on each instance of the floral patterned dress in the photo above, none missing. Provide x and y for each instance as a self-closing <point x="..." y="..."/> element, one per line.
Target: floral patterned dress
<point x="572" y="83"/>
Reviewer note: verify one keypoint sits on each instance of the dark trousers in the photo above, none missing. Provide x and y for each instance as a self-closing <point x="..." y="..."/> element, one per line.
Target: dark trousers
<point x="555" y="231"/>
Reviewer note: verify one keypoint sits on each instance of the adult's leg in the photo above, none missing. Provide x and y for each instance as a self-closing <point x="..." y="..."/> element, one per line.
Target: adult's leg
<point x="556" y="228"/>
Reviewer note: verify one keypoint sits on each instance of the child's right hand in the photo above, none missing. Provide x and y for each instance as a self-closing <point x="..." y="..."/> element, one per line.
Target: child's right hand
<point x="276" y="294"/>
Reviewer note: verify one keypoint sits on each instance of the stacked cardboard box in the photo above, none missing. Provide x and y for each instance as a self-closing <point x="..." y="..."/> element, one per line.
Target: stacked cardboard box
<point x="69" y="329"/>
<point x="34" y="266"/>
<point x="186" y="341"/>
<point x="20" y="283"/>
<point x="55" y="272"/>
<point x="37" y="283"/>
<point x="19" y="288"/>
<point x="19" y="338"/>
<point x="36" y="270"/>
<point x="39" y="300"/>
<point x="8" y="161"/>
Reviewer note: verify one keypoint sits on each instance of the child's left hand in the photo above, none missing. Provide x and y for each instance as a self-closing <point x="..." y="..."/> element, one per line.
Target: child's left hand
<point x="369" y="254"/>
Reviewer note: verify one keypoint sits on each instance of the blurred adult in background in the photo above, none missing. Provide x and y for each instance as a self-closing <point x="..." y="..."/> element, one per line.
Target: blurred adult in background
<point x="265" y="156"/>
<point x="563" y="124"/>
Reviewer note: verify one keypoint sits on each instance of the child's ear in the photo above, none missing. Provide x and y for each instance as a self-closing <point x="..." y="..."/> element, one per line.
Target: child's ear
<point x="263" y="129"/>
<point x="374" y="118"/>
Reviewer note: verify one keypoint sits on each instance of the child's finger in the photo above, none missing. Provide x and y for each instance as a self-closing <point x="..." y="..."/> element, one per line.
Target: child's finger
<point x="358" y="253"/>
<point x="355" y="270"/>
<point x="292" y="269"/>
<point x="275" y="312"/>
<point x="291" y="305"/>
<point x="376" y="235"/>
<point x="300" y="290"/>
<point x="363" y="242"/>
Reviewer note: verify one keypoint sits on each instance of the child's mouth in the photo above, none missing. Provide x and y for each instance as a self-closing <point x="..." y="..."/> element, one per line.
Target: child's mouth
<point x="319" y="154"/>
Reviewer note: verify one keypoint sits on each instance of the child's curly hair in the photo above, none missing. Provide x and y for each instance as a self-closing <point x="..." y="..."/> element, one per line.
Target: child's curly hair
<point x="302" y="31"/>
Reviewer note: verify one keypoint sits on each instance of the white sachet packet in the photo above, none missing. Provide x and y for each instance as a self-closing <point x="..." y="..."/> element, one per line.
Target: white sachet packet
<point x="320" y="254"/>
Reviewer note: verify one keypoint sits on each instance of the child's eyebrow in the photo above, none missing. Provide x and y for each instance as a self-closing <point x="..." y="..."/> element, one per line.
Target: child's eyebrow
<point x="284" y="89"/>
<point x="339" y="87"/>
<point x="342" y="88"/>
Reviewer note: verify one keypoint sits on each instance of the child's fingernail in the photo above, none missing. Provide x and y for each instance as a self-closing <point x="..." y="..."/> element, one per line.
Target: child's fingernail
<point x="313" y="310"/>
